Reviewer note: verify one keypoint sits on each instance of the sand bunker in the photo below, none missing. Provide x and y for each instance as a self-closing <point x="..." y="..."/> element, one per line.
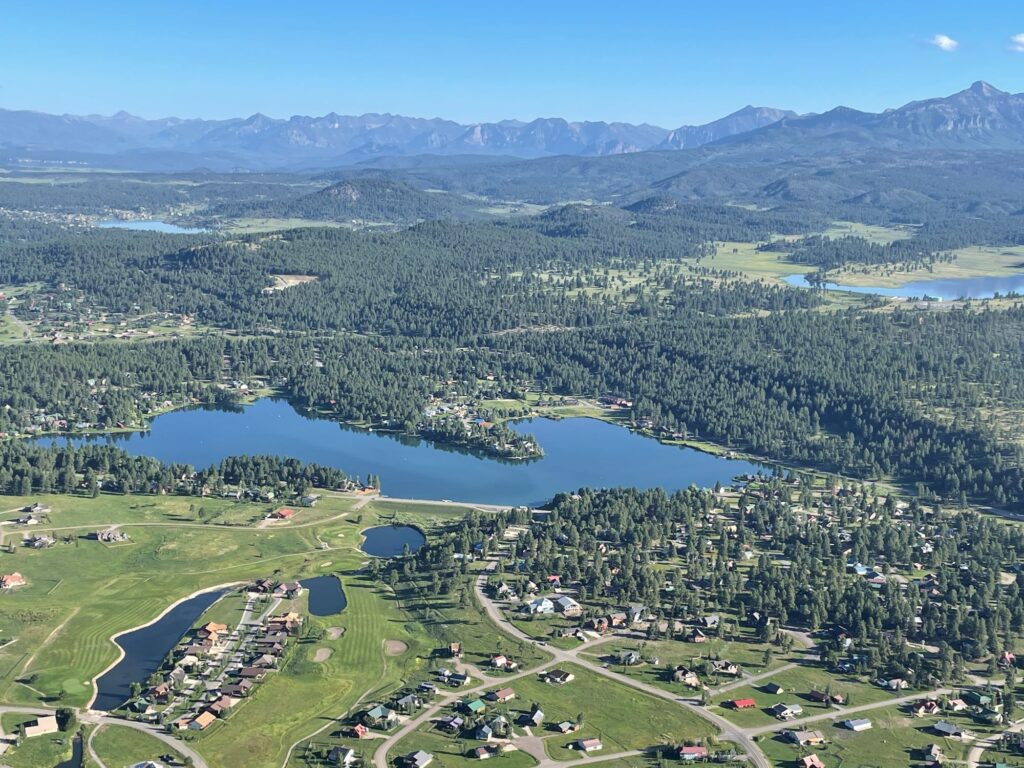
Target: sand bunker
<point x="335" y="632"/>
<point x="322" y="655"/>
<point x="395" y="647"/>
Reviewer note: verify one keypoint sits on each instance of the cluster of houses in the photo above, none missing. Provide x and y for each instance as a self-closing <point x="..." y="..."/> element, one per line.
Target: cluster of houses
<point x="984" y="705"/>
<point x="213" y="669"/>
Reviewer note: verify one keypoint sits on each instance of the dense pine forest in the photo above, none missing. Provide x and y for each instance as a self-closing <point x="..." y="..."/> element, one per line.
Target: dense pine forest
<point x="577" y="300"/>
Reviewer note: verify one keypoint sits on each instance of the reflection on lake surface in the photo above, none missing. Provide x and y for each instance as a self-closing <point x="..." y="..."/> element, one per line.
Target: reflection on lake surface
<point x="149" y="226"/>
<point x="577" y="453"/>
<point x="947" y="290"/>
<point x="326" y="596"/>
<point x="145" y="650"/>
<point x="391" y="540"/>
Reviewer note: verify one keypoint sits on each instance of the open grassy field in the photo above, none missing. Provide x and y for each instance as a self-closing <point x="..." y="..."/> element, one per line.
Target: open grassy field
<point x="748" y="655"/>
<point x="450" y="752"/>
<point x="120" y="747"/>
<point x="873" y="233"/>
<point x="247" y="226"/>
<point x="622" y="717"/>
<point x="46" y="750"/>
<point x="894" y="740"/>
<point x="80" y="592"/>
<point x="974" y="261"/>
<point x="797" y="682"/>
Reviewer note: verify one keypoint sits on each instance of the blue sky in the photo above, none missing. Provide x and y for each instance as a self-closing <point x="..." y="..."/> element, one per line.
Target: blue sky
<point x="667" y="63"/>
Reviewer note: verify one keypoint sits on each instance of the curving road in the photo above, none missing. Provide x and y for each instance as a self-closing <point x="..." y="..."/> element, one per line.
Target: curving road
<point x="730" y="730"/>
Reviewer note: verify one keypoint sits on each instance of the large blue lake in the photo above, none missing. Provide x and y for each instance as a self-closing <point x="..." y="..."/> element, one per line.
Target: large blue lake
<point x="947" y="290"/>
<point x="150" y="225"/>
<point x="577" y="453"/>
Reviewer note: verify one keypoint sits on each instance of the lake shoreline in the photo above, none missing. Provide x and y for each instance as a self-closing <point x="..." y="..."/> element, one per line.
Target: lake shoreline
<point x="121" y="652"/>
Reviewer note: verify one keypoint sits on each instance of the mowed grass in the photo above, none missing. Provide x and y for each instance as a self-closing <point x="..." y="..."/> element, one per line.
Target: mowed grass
<point x="974" y="261"/>
<point x="451" y="752"/>
<point x="121" y="747"/>
<point x="670" y="653"/>
<point x="754" y="264"/>
<point x="893" y="740"/>
<point x="303" y="696"/>
<point x="622" y="717"/>
<point x="37" y="752"/>
<point x="797" y="682"/>
<point x="873" y="233"/>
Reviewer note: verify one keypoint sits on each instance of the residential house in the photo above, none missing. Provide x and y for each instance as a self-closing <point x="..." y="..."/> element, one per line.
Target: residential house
<point x="857" y="725"/>
<point x="483" y="733"/>
<point x="502" y="695"/>
<point x="810" y="761"/>
<point x="568" y="726"/>
<point x="696" y="635"/>
<point x="724" y="667"/>
<point x="283" y="513"/>
<point x="743" y="704"/>
<point x="539" y="607"/>
<point x="41" y="726"/>
<point x="956" y="705"/>
<point x="806" y="738"/>
<point x="773" y="688"/>
<point x="686" y="676"/>
<point x="342" y="756"/>
<point x="451" y="723"/>
<point x="589" y="745"/>
<point x="946" y="728"/>
<point x="203" y="721"/>
<point x="418" y="759"/>
<point x="932" y="753"/>
<point x="475" y="707"/>
<point x="238" y="690"/>
<point x="693" y="753"/>
<point x="566" y="605"/>
<point x="535" y="717"/>
<point x="786" y="711"/>
<point x="380" y="716"/>
<point x="823" y="697"/>
<point x="629" y="658"/>
<point x="503" y="662"/>
<point x="557" y="676"/>
<point x="455" y="650"/>
<point x="409" y="702"/>
<point x="11" y="580"/>
<point x="925" y="708"/>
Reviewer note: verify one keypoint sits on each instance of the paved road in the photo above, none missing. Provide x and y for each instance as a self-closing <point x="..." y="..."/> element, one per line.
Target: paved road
<point x="730" y="731"/>
<point x="978" y="750"/>
<point x="94" y="719"/>
<point x="844" y="712"/>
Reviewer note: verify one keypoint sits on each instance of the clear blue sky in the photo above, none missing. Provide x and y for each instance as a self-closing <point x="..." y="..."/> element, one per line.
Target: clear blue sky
<point x="667" y="63"/>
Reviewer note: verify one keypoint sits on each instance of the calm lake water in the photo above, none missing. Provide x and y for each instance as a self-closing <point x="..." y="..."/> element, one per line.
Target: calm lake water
<point x="146" y="648"/>
<point x="326" y="596"/>
<point x="577" y="453"/>
<point x="947" y="290"/>
<point x="391" y="540"/>
<point x="149" y="226"/>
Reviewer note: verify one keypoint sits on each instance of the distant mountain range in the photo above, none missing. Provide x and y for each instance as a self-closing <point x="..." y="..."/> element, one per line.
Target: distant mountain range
<point x="260" y="142"/>
<point x="981" y="117"/>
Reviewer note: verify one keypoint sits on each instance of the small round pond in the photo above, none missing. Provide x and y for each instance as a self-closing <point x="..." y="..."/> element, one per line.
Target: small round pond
<point x="391" y="540"/>
<point x="326" y="596"/>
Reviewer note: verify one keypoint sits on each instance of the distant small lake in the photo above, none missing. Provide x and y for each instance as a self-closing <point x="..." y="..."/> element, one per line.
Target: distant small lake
<point x="947" y="290"/>
<point x="326" y="596"/>
<point x="578" y="453"/>
<point x="391" y="540"/>
<point x="145" y="650"/>
<point x="149" y="225"/>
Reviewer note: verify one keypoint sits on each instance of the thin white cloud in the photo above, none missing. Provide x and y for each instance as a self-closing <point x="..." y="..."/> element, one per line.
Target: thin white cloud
<point x="1017" y="43"/>
<point x="944" y="43"/>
